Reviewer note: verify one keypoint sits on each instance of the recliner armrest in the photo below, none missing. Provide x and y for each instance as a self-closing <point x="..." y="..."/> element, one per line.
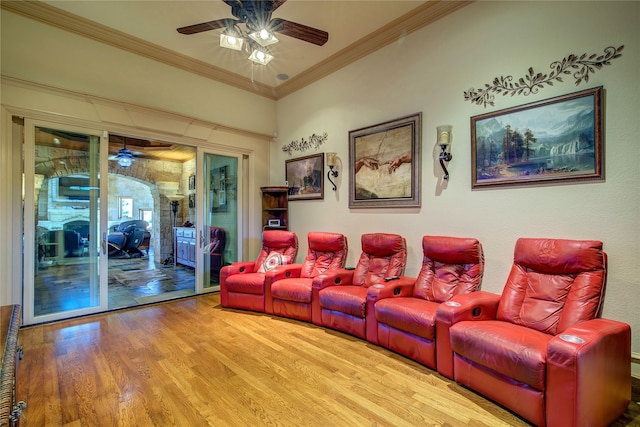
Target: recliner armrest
<point x="589" y="368"/>
<point x="402" y="287"/>
<point x="240" y="267"/>
<point x="398" y="287"/>
<point x="333" y="278"/>
<point x="480" y="305"/>
<point x="284" y="272"/>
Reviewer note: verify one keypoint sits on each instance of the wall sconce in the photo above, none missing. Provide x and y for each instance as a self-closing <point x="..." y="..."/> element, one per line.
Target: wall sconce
<point x="332" y="162"/>
<point x="444" y="141"/>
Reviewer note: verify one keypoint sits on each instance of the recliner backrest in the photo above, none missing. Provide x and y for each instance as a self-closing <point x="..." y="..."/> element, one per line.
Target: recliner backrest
<point x="554" y="284"/>
<point x="282" y="242"/>
<point x="383" y="255"/>
<point x="138" y="223"/>
<point x="450" y="266"/>
<point x="327" y="251"/>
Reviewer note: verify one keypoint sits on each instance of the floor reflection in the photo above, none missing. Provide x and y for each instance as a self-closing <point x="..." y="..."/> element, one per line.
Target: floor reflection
<point x="64" y="284"/>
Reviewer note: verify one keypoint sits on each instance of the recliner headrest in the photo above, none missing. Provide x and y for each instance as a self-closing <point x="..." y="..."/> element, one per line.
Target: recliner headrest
<point x="559" y="256"/>
<point x="451" y="250"/>
<point x="326" y="242"/>
<point x="383" y="244"/>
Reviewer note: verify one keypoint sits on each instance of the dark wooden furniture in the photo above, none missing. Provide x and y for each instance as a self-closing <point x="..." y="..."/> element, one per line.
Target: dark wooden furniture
<point x="275" y="208"/>
<point x="10" y="408"/>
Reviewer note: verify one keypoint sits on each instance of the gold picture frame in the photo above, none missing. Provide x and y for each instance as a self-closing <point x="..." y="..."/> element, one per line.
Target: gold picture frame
<point x="385" y="164"/>
<point x="557" y="140"/>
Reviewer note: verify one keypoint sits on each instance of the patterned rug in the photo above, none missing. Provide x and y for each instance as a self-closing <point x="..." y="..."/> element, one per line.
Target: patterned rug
<point x="136" y="278"/>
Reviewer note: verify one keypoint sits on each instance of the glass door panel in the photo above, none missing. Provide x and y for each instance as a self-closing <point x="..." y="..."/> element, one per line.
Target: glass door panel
<point x="148" y="219"/>
<point x="62" y="279"/>
<point x="219" y="234"/>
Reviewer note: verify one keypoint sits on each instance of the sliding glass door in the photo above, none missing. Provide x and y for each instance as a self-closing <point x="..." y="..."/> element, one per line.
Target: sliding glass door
<point x="62" y="231"/>
<point x="99" y="235"/>
<point x="221" y="215"/>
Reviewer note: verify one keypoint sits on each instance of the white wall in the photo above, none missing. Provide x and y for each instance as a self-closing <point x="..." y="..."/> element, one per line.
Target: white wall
<point x="427" y="72"/>
<point x="40" y="53"/>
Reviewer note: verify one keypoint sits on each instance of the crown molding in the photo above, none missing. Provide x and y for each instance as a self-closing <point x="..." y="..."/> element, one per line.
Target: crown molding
<point x="59" y="18"/>
<point x="127" y="107"/>
<point x="416" y="19"/>
<point x="419" y="17"/>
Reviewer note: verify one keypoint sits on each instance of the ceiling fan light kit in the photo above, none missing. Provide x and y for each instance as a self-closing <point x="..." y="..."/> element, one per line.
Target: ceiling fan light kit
<point x="256" y="16"/>
<point x="231" y="41"/>
<point x="261" y="57"/>
<point x="263" y="37"/>
<point x="125" y="158"/>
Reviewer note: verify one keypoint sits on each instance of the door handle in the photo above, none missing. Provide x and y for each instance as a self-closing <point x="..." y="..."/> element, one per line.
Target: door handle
<point x="201" y="239"/>
<point x="104" y="243"/>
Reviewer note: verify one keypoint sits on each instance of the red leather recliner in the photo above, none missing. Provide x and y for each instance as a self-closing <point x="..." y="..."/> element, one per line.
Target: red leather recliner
<point x="288" y="290"/>
<point x="405" y="310"/>
<point x="341" y="297"/>
<point x="541" y="348"/>
<point x="242" y="283"/>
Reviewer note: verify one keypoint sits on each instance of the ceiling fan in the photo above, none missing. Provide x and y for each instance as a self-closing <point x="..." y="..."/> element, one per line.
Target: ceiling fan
<point x="124" y="156"/>
<point x="256" y="16"/>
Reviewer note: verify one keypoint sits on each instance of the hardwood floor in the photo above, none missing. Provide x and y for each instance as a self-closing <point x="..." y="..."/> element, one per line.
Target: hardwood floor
<point x="192" y="363"/>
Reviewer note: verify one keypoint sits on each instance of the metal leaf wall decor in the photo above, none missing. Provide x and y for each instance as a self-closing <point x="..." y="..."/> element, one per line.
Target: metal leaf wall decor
<point x="579" y="66"/>
<point x="315" y="141"/>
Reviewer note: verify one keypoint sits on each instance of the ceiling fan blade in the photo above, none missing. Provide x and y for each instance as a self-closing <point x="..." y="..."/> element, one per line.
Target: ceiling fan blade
<point x="206" y="26"/>
<point x="300" y="31"/>
<point x="276" y="4"/>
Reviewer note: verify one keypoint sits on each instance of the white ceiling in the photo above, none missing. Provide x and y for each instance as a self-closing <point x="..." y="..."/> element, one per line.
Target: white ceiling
<point x="156" y="22"/>
<point x="148" y="28"/>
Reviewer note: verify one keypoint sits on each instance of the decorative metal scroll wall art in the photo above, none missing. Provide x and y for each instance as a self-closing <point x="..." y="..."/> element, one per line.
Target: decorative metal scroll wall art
<point x="315" y="141"/>
<point x="579" y="66"/>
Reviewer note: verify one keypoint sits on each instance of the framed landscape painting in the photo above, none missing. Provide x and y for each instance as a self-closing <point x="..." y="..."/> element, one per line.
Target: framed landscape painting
<point x="384" y="164"/>
<point x="551" y="141"/>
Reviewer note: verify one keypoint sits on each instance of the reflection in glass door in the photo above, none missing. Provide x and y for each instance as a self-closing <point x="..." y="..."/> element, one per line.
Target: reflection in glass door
<point x="62" y="278"/>
<point x="219" y="234"/>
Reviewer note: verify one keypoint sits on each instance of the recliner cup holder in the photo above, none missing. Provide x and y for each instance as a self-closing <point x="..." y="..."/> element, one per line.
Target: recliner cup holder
<point x="571" y="338"/>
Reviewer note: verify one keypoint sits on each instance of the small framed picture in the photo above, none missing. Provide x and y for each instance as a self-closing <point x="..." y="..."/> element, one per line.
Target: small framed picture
<point x="305" y="177"/>
<point x="192" y="182"/>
